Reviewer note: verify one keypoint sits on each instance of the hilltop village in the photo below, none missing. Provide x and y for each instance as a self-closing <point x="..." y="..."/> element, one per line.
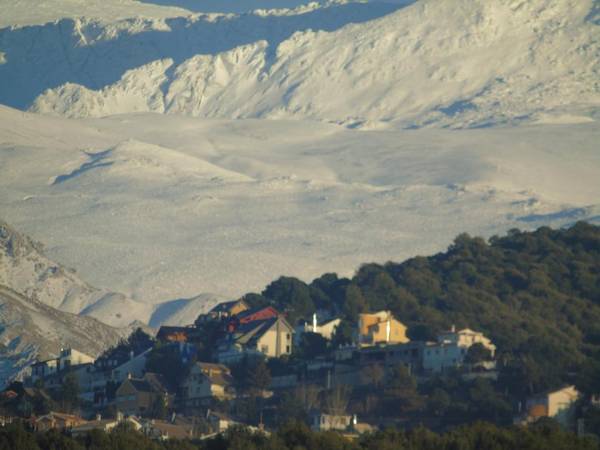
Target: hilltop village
<point x="247" y="365"/>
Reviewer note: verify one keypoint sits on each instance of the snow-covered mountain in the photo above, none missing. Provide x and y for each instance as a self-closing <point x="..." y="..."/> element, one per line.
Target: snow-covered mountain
<point x="457" y="63"/>
<point x="45" y="307"/>
<point x="162" y="206"/>
<point x="30" y="330"/>
<point x="190" y="146"/>
<point x="24" y="268"/>
<point x="54" y="289"/>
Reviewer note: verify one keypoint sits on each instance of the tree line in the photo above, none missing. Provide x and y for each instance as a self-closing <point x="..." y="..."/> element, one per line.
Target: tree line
<point x="535" y="294"/>
<point x="297" y="436"/>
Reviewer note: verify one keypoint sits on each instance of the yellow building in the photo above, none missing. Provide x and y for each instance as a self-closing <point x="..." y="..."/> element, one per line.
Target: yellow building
<point x="380" y="327"/>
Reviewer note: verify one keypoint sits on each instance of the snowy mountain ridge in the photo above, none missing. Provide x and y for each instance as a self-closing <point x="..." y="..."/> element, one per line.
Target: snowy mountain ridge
<point x="172" y="206"/>
<point x="30" y="330"/>
<point x="168" y="148"/>
<point x="458" y="63"/>
<point x="28" y="272"/>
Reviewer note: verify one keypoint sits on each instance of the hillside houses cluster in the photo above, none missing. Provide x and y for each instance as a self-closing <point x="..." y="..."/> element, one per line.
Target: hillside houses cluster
<point x="120" y="380"/>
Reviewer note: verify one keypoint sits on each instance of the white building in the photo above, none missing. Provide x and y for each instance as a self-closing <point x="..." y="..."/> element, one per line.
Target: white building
<point x="134" y="367"/>
<point x="558" y="404"/>
<point x="207" y="381"/>
<point x="440" y="356"/>
<point x="451" y="349"/>
<point x="325" y="329"/>
<point x="219" y="422"/>
<point x="466" y="338"/>
<point x="43" y="369"/>
<point x="324" y="422"/>
<point x="70" y="357"/>
<point x="271" y="338"/>
<point x="67" y="358"/>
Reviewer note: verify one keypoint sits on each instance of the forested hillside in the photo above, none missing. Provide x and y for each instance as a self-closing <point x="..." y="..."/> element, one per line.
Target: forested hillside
<point x="535" y="294"/>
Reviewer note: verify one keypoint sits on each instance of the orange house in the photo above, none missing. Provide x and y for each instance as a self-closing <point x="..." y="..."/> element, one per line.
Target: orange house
<point x="380" y="327"/>
<point x="173" y="334"/>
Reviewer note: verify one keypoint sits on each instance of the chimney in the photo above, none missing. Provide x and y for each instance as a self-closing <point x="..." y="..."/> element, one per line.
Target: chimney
<point x="453" y="328"/>
<point x="119" y="416"/>
<point x="314" y="323"/>
<point x="388" y="330"/>
<point x="98" y="417"/>
<point x="131" y="354"/>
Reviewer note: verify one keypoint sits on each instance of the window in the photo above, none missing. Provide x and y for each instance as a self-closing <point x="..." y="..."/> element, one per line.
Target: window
<point x="264" y="349"/>
<point x="287" y="349"/>
<point x="289" y="336"/>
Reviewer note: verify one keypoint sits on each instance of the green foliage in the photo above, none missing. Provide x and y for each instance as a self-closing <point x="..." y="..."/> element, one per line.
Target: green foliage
<point x="478" y="353"/>
<point x="535" y="294"/>
<point x="400" y="392"/>
<point x="15" y="436"/>
<point x="343" y="334"/>
<point x="296" y="435"/>
<point x="311" y="345"/>
<point x="259" y="377"/>
<point x="158" y="409"/>
<point x="55" y="440"/>
<point x="165" y="359"/>
<point x="438" y="402"/>
<point x="206" y="336"/>
<point x="137" y="342"/>
<point x="69" y="393"/>
<point x="292" y="296"/>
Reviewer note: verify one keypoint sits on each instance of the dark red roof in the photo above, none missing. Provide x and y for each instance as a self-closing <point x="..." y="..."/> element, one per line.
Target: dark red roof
<point x="254" y="314"/>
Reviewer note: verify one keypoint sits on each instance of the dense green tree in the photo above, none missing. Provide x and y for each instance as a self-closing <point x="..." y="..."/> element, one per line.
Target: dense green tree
<point x="166" y="360"/>
<point x="343" y="335"/>
<point x="69" y="392"/>
<point x="295" y="435"/>
<point x="259" y="377"/>
<point x="55" y="440"/>
<point x="478" y="353"/>
<point x="401" y="395"/>
<point x="293" y="296"/>
<point x="14" y="436"/>
<point x="438" y="402"/>
<point x="354" y="303"/>
<point x="158" y="409"/>
<point x="312" y="345"/>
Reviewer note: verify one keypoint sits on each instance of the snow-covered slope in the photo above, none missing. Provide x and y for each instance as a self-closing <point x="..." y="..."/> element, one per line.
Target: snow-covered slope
<point x="457" y="63"/>
<point x="26" y="270"/>
<point x="24" y="266"/>
<point x="164" y="207"/>
<point x="18" y="13"/>
<point x="30" y="330"/>
<point x="189" y="201"/>
<point x="94" y="53"/>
